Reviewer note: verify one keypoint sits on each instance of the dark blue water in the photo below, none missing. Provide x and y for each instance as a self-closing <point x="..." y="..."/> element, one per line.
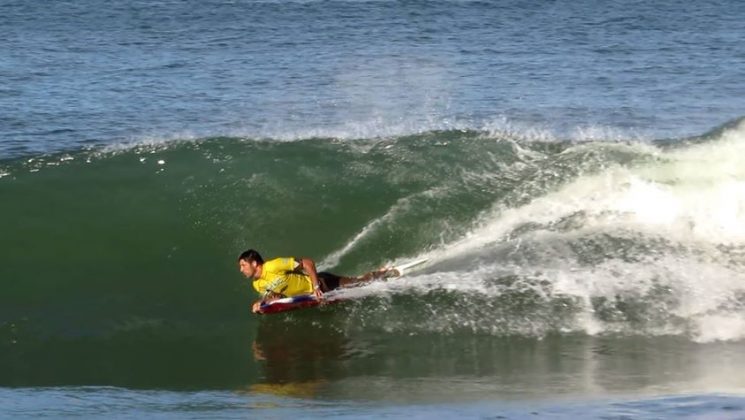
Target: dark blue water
<point x="102" y="402"/>
<point x="388" y="86"/>
<point x="78" y="73"/>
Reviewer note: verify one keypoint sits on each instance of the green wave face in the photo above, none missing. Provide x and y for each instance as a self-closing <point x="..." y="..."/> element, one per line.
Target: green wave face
<point x="112" y="258"/>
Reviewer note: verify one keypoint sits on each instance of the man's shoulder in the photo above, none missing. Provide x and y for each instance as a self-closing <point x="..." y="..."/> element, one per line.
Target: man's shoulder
<point x="280" y="264"/>
<point x="280" y="260"/>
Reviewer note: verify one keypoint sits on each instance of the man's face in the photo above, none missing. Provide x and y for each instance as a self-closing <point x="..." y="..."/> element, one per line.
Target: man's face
<point x="247" y="268"/>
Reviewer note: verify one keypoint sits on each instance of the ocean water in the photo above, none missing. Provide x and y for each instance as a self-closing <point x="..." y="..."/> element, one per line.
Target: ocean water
<point x="573" y="171"/>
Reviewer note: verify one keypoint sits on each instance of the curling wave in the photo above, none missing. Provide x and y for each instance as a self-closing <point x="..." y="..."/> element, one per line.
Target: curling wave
<point x="524" y="237"/>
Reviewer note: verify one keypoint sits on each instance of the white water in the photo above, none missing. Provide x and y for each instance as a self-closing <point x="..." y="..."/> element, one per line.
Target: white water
<point x="685" y="211"/>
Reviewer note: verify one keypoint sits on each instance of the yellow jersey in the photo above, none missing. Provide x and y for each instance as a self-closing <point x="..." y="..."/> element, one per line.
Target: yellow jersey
<point x="283" y="276"/>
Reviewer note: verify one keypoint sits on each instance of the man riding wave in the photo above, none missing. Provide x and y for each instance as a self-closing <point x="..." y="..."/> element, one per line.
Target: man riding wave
<point x="288" y="276"/>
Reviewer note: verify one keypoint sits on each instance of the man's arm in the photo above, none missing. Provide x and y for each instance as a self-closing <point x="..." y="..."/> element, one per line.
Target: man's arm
<point x="309" y="267"/>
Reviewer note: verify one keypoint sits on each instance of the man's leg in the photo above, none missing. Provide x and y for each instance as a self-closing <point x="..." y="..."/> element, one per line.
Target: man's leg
<point x="380" y="274"/>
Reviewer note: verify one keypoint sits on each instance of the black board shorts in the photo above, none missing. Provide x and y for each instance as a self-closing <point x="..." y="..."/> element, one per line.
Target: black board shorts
<point x="329" y="281"/>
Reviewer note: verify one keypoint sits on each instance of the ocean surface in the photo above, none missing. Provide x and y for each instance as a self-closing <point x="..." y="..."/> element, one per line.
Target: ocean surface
<point x="573" y="170"/>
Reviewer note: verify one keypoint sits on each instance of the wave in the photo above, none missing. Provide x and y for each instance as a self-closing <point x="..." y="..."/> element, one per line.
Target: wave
<point x="651" y="245"/>
<point x="525" y="236"/>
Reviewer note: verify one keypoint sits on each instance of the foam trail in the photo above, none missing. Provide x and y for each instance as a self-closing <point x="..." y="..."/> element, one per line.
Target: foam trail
<point x="398" y="208"/>
<point x="333" y="259"/>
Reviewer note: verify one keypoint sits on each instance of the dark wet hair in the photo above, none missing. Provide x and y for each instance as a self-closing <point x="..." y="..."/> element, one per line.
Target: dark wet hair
<point x="251" y="255"/>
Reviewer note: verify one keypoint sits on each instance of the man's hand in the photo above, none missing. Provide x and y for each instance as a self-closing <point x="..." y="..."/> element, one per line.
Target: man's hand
<point x="256" y="306"/>
<point x="268" y="297"/>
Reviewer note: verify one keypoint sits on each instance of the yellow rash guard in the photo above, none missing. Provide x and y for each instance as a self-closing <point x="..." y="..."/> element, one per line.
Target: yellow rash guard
<point x="282" y="276"/>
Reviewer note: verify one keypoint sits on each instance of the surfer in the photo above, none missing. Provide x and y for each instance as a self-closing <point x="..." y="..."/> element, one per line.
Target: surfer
<point x="286" y="277"/>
